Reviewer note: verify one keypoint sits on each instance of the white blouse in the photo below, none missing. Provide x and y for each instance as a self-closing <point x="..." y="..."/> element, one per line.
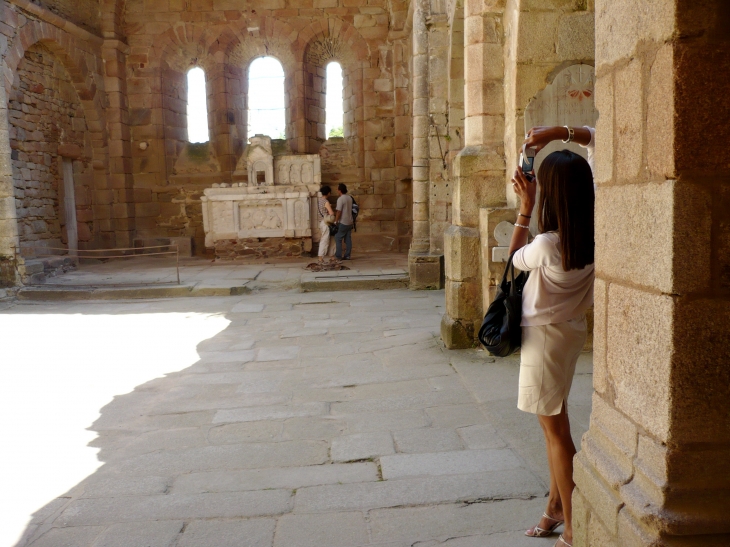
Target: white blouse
<point x="552" y="295"/>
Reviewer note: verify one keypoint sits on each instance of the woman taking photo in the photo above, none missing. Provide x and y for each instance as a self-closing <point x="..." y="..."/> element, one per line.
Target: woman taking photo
<point x="555" y="298"/>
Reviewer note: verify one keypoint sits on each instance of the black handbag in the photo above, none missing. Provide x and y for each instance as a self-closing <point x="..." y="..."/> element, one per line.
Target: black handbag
<point x="500" y="332"/>
<point x="333" y="229"/>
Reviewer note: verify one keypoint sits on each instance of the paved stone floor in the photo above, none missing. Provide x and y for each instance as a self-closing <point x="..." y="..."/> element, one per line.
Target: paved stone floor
<point x="277" y="418"/>
<point x="275" y="273"/>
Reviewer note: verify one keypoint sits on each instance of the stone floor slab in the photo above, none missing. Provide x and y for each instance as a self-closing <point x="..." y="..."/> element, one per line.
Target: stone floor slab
<point x="79" y="536"/>
<point x="448" y="463"/>
<point x="280" y="353"/>
<point x="270" y="413"/>
<point x="427" y="439"/>
<point x="239" y="432"/>
<point x="90" y="512"/>
<point x="511" y="483"/>
<point x="420" y="524"/>
<point x="326" y="530"/>
<point x="480" y="437"/>
<point x="141" y="534"/>
<point x="229" y="533"/>
<point x="263" y="479"/>
<point x="361" y="446"/>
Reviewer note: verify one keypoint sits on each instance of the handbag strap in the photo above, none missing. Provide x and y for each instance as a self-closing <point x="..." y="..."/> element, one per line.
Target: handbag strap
<point x="510" y="269"/>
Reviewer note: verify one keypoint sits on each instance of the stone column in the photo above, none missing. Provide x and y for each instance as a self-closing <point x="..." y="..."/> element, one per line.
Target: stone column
<point x="479" y="171"/>
<point x="120" y="181"/>
<point x="8" y="220"/>
<point x="655" y="464"/>
<point x="425" y="269"/>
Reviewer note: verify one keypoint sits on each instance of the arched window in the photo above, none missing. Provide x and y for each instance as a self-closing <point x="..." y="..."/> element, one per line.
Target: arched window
<point x="266" y="102"/>
<point x="334" y="115"/>
<point x="197" y="106"/>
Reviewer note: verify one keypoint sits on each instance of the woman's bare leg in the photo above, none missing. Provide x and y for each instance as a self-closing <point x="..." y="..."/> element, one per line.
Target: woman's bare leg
<point x="554" y="505"/>
<point x="562" y="450"/>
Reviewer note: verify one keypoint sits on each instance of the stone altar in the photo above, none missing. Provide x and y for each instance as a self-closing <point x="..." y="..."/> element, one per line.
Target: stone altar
<point x="278" y="200"/>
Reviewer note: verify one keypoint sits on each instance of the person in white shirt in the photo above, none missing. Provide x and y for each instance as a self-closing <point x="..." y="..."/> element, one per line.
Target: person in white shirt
<point x="555" y="298"/>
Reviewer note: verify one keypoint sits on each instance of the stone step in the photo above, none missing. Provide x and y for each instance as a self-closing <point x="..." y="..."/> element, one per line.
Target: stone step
<point x="354" y="281"/>
<point x="58" y="293"/>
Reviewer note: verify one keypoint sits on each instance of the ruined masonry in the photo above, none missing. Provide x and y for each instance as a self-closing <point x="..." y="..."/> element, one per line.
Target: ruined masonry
<point x="437" y="95"/>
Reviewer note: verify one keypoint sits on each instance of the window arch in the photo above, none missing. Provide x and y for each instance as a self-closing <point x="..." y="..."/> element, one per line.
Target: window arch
<point x="197" y="106"/>
<point x="334" y="113"/>
<point x="266" y="98"/>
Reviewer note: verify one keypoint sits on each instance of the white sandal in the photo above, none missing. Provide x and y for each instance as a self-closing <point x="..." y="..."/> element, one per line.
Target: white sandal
<point x="561" y="540"/>
<point x="538" y="532"/>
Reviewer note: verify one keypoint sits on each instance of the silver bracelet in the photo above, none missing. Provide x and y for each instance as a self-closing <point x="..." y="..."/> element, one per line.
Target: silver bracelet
<point x="571" y="134"/>
<point x="525" y="226"/>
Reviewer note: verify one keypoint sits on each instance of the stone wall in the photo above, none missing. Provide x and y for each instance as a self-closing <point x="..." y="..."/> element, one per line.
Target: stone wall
<point x="231" y="249"/>
<point x="384" y="221"/>
<point x="85" y="13"/>
<point x="512" y="50"/>
<point x="44" y="111"/>
<point x="166" y="39"/>
<point x="654" y="465"/>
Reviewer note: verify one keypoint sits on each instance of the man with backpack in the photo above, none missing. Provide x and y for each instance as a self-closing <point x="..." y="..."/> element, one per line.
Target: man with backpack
<point x="345" y="218"/>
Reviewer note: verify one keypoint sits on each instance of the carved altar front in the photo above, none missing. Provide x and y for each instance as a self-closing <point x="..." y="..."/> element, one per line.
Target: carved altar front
<point x="278" y="200"/>
<point x="244" y="212"/>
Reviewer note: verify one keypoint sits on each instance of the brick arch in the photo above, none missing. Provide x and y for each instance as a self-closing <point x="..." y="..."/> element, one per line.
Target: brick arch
<point x="320" y="43"/>
<point x="78" y="62"/>
<point x="341" y="40"/>
<point x="274" y="38"/>
<point x="183" y="46"/>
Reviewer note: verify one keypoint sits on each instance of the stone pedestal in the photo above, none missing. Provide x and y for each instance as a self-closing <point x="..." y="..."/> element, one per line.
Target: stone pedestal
<point x="655" y="465"/>
<point x="463" y="287"/>
<point x="426" y="271"/>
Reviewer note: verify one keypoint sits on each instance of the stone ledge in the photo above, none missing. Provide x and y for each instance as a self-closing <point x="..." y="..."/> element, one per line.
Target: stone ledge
<point x="352" y="281"/>
<point x="128" y="293"/>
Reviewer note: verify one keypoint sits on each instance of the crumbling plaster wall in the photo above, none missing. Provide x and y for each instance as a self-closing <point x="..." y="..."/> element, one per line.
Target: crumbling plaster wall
<point x="222" y="38"/>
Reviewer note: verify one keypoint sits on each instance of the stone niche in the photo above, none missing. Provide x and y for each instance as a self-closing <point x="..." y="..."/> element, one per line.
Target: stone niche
<point x="277" y="201"/>
<point x="568" y="100"/>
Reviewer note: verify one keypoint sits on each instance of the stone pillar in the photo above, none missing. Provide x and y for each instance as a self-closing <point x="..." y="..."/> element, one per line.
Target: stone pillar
<point x="120" y="181"/>
<point x="479" y="172"/>
<point x="8" y="220"/>
<point x="655" y="465"/>
<point x="425" y="269"/>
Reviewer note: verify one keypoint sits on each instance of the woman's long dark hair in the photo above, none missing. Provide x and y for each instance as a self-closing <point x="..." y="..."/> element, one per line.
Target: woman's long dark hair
<point x="566" y="206"/>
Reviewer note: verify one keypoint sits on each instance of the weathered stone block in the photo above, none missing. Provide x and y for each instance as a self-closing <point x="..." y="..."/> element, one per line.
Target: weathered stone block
<point x="457" y="334"/>
<point x="648" y="211"/>
<point x="604" y="151"/>
<point x="426" y="271"/>
<point x="576" y="36"/>
<point x="536" y="35"/>
<point x="622" y="24"/>
<point x="461" y="251"/>
<point x="640" y="364"/>
<point x="600" y="332"/>
<point x="604" y="502"/>
<point x="661" y="116"/>
<point x="463" y="300"/>
<point x="629" y="145"/>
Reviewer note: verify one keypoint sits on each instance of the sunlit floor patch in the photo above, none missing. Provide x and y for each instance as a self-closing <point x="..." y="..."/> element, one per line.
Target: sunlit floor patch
<point x="57" y="373"/>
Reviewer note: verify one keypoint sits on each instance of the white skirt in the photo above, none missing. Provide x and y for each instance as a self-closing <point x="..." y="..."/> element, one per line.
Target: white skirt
<point x="548" y="357"/>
